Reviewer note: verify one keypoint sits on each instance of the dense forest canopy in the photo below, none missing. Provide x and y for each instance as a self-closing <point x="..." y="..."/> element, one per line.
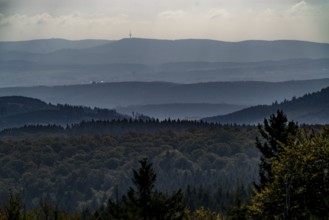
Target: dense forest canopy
<point x="215" y="166"/>
<point x="85" y="170"/>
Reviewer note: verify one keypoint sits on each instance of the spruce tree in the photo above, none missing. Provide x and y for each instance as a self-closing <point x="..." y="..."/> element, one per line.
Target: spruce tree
<point x="275" y="130"/>
<point x="144" y="202"/>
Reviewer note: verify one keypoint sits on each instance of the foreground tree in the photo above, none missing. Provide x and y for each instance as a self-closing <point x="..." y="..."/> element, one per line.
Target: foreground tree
<point x="300" y="186"/>
<point x="274" y="132"/>
<point x="13" y="209"/>
<point x="144" y="202"/>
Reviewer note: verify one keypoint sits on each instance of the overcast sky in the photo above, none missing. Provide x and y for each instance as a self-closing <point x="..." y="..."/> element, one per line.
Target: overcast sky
<point x="228" y="20"/>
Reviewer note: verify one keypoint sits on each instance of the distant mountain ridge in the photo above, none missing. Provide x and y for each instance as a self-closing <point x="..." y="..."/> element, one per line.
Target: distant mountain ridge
<point x="48" y="45"/>
<point x="58" y="61"/>
<point x="162" y="94"/>
<point x="154" y="52"/>
<point x="310" y="109"/>
<point x="17" y="111"/>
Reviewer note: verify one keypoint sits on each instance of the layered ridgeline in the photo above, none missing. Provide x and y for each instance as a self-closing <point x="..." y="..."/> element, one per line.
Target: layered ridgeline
<point x="151" y="52"/>
<point x="56" y="62"/>
<point x="157" y="99"/>
<point x="185" y="111"/>
<point x="310" y="109"/>
<point x="18" y="111"/>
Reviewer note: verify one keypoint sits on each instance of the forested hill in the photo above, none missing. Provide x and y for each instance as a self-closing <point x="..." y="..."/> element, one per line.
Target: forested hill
<point x="310" y="109"/>
<point x="112" y="95"/>
<point x="139" y="125"/>
<point x="18" y="111"/>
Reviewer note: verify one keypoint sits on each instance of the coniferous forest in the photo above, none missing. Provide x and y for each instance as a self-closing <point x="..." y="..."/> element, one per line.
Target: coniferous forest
<point x="152" y="169"/>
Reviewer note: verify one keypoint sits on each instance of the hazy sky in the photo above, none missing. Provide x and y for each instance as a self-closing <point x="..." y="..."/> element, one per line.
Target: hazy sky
<point x="229" y="20"/>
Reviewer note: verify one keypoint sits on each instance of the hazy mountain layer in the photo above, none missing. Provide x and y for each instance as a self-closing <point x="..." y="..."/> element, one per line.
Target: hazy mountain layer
<point x="111" y="95"/>
<point x="59" y="62"/>
<point x="310" y="109"/>
<point x="190" y="111"/>
<point x="154" y="52"/>
<point x="28" y="73"/>
<point x="48" y="45"/>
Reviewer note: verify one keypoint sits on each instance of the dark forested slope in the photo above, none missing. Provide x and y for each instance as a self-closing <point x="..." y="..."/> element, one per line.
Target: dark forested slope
<point x="311" y="109"/>
<point x="18" y="111"/>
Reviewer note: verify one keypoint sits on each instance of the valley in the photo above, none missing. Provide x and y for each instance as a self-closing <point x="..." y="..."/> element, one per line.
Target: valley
<point x="77" y="116"/>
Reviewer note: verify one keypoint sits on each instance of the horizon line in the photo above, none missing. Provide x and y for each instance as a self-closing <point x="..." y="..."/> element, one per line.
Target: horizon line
<point x="159" y="39"/>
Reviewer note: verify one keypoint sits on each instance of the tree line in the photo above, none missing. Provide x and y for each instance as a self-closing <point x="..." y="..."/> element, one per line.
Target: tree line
<point x="292" y="182"/>
<point x="141" y="124"/>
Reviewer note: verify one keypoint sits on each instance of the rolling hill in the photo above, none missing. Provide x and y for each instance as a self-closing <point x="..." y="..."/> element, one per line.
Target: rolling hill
<point x="58" y="61"/>
<point x="154" y="52"/>
<point x="184" y="111"/>
<point x="310" y="109"/>
<point x="112" y="95"/>
<point x="17" y="111"/>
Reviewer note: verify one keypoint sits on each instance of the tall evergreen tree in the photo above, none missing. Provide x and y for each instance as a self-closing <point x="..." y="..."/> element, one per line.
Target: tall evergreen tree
<point x="274" y="132"/>
<point x="143" y="202"/>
